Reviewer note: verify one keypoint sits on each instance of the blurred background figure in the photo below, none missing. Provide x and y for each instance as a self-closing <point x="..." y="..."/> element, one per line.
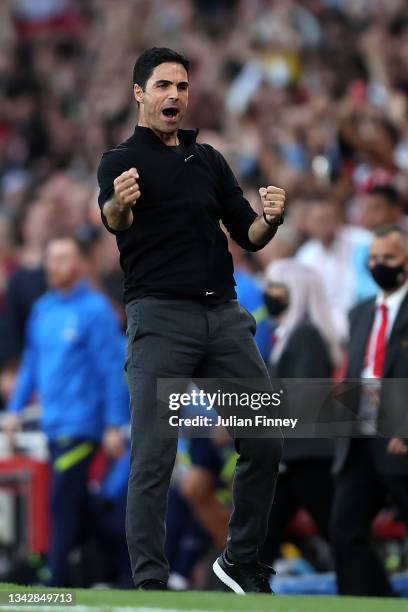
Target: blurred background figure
<point x="206" y="488"/>
<point x="338" y="253"/>
<point x="28" y="282"/>
<point x="305" y="345"/>
<point x="187" y="541"/>
<point x="297" y="303"/>
<point x="370" y="470"/>
<point x="73" y="357"/>
<point x="382" y="205"/>
<point x="249" y="294"/>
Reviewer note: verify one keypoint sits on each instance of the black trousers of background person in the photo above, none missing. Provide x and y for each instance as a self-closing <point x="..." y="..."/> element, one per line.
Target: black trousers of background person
<point x="181" y="339"/>
<point x="69" y="501"/>
<point x="306" y="483"/>
<point x="360" y="492"/>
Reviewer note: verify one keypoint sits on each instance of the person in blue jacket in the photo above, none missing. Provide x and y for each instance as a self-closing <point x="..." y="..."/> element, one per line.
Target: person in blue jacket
<point x="73" y="359"/>
<point x="250" y="295"/>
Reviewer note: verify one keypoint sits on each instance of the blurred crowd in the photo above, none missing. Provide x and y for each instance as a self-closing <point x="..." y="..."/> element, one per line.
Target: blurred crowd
<point x="308" y="95"/>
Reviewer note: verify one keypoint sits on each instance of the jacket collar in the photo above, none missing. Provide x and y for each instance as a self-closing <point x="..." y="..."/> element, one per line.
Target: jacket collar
<point x="363" y="333"/>
<point x="147" y="136"/>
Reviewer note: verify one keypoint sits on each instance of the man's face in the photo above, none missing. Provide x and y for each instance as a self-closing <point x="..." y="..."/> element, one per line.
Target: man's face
<point x="38" y="223"/>
<point x="377" y="212"/>
<point x="388" y="250"/>
<point x="322" y="223"/>
<point x="63" y="264"/>
<point x="163" y="102"/>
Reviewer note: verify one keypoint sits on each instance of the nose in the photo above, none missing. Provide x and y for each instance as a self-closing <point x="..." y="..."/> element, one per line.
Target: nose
<point x="173" y="93"/>
<point x="376" y="259"/>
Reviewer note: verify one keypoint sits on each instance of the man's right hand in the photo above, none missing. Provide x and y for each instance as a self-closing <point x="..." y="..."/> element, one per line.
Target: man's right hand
<point x="114" y="442"/>
<point x="127" y="190"/>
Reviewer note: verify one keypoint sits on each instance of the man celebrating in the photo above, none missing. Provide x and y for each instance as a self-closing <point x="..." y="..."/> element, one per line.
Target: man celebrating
<point x="164" y="195"/>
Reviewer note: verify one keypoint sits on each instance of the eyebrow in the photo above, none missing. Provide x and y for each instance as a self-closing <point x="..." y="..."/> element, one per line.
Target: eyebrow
<point x="166" y="82"/>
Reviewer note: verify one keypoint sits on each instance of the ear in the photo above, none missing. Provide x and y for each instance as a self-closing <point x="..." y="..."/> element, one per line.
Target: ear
<point x="138" y="93"/>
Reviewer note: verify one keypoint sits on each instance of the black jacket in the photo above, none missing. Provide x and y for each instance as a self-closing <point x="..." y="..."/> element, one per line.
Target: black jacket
<point x="175" y="246"/>
<point x="393" y="410"/>
<point x="305" y="355"/>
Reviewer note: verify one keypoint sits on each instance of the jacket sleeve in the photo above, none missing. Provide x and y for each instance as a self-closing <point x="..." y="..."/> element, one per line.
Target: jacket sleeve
<point x="237" y="214"/>
<point x="26" y="377"/>
<point x="107" y="352"/>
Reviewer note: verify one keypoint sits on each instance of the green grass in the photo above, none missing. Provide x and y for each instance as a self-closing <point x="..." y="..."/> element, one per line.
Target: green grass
<point x="109" y="600"/>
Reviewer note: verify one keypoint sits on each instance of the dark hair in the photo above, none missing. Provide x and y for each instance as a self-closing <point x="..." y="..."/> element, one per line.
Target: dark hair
<point x="82" y="248"/>
<point x="86" y="236"/>
<point x="388" y="193"/>
<point x="147" y="62"/>
<point x="390" y="228"/>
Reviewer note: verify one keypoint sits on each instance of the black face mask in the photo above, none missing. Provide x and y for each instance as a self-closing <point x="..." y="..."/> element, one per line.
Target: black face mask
<point x="388" y="277"/>
<point x="275" y="306"/>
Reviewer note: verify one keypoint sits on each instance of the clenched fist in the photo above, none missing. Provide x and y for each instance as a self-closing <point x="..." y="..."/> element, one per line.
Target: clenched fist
<point x="273" y="202"/>
<point x="127" y="189"/>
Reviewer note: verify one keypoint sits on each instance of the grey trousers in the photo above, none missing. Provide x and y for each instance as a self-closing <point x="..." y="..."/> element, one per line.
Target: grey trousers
<point x="183" y="339"/>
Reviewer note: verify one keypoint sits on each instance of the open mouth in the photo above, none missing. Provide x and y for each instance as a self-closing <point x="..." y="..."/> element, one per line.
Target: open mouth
<point x="170" y="112"/>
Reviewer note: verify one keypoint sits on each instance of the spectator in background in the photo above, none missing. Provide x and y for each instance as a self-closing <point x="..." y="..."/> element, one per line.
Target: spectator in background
<point x="297" y="302"/>
<point x="73" y="357"/>
<point x="8" y="261"/>
<point x="249" y="294"/>
<point x="207" y="483"/>
<point x="186" y="540"/>
<point x="371" y="467"/>
<point x="28" y="282"/>
<point x="338" y="253"/>
<point x="305" y="346"/>
<point x="382" y="205"/>
<point x="43" y="16"/>
<point x="106" y="523"/>
<point x="373" y="137"/>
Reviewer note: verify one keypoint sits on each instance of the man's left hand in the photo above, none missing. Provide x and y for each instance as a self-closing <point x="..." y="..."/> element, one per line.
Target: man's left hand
<point x="113" y="442"/>
<point x="273" y="202"/>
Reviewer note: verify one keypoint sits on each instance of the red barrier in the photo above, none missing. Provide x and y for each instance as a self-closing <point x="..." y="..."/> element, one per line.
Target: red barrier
<point x="28" y="479"/>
